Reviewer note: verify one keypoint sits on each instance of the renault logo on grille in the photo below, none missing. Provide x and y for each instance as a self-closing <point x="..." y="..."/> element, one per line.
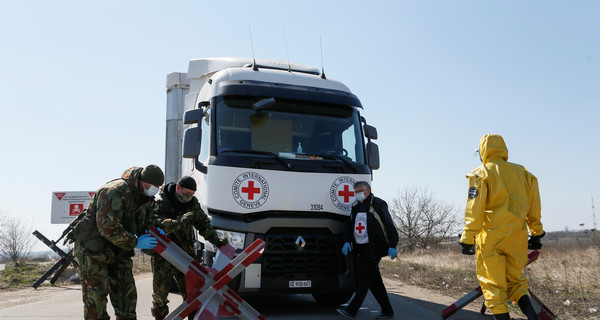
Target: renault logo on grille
<point x="300" y="243"/>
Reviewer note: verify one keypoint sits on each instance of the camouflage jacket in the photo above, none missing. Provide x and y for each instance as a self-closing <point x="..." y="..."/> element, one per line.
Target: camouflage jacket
<point x="122" y="211"/>
<point x="166" y="206"/>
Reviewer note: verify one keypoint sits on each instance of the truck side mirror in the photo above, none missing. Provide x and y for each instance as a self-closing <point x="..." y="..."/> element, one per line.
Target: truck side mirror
<point x="370" y="132"/>
<point x="373" y="155"/>
<point x="192" y="137"/>
<point x="193" y="116"/>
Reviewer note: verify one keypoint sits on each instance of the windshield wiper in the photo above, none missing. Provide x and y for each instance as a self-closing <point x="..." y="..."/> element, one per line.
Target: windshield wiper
<point x="336" y="157"/>
<point x="264" y="153"/>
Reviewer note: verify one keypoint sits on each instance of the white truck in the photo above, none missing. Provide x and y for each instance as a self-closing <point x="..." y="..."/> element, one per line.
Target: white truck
<point x="275" y="148"/>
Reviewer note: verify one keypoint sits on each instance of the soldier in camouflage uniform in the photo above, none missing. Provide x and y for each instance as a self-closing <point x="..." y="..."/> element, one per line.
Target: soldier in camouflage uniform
<point x="119" y="212"/>
<point x="179" y="208"/>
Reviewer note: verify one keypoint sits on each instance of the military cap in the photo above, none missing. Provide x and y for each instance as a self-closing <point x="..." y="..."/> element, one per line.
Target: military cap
<point x="187" y="182"/>
<point x="153" y="175"/>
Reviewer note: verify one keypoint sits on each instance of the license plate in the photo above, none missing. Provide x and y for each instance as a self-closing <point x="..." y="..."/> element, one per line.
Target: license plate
<point x="300" y="284"/>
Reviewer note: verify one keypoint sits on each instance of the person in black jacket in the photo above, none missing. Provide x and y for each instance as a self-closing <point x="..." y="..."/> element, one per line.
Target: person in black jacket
<point x="371" y="235"/>
<point x="181" y="214"/>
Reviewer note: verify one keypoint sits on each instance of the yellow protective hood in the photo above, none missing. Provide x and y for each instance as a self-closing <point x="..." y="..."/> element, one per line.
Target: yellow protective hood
<point x="491" y="146"/>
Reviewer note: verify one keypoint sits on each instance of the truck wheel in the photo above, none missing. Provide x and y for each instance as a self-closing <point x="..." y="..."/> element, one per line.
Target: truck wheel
<point x="332" y="299"/>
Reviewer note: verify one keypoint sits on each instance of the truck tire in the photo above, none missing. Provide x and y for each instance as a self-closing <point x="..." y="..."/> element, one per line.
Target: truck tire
<point x="332" y="299"/>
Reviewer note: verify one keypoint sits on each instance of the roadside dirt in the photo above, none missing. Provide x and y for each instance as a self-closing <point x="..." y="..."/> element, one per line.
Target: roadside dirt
<point x="11" y="297"/>
<point x="430" y="299"/>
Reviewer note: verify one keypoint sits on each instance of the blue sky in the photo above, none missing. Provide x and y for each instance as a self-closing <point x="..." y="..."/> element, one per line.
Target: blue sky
<point x="83" y="92"/>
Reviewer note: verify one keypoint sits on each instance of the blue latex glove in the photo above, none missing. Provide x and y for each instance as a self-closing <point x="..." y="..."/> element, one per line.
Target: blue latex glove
<point x="146" y="241"/>
<point x="346" y="248"/>
<point x="392" y="253"/>
<point x="161" y="231"/>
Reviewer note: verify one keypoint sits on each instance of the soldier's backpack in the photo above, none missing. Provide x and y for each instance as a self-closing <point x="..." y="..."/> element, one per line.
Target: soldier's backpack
<point x="85" y="233"/>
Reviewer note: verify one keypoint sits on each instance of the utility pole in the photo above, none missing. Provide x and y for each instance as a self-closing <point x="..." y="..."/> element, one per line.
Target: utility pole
<point x="178" y="85"/>
<point x="593" y="213"/>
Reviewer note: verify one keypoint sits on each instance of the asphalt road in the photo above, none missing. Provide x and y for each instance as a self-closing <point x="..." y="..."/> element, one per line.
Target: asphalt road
<point x="65" y="303"/>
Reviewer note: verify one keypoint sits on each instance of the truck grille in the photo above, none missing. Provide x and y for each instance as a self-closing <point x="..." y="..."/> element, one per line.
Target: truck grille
<point x="282" y="256"/>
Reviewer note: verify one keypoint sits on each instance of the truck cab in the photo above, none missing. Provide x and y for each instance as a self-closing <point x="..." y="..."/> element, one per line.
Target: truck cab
<point x="275" y="148"/>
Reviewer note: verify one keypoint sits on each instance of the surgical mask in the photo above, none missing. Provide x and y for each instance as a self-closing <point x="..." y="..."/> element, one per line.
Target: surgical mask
<point x="360" y="196"/>
<point x="184" y="197"/>
<point x="151" y="192"/>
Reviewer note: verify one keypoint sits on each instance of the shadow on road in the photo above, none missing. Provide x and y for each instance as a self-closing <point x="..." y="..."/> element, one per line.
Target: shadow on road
<point x="302" y="305"/>
<point x="437" y="308"/>
<point x="289" y="304"/>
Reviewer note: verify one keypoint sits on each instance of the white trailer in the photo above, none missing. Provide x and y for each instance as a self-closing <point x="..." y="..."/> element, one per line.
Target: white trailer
<point x="275" y="148"/>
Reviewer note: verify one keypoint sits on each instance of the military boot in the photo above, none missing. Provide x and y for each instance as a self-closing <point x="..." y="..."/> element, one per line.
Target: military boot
<point x="501" y="316"/>
<point x="527" y="308"/>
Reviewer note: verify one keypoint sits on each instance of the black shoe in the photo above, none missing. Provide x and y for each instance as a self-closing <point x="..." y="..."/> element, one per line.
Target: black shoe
<point x="527" y="308"/>
<point x="384" y="316"/>
<point x="501" y="316"/>
<point x="345" y="313"/>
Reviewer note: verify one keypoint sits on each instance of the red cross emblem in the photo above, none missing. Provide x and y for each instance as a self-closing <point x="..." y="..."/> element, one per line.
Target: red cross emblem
<point x="360" y="228"/>
<point x="250" y="190"/>
<point x="346" y="193"/>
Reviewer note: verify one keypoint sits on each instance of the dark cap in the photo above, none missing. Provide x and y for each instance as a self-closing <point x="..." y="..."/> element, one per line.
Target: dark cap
<point x="153" y="175"/>
<point x="187" y="182"/>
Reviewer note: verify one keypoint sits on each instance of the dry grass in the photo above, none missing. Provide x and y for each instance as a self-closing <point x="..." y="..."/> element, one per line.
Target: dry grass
<point x="565" y="277"/>
<point x="27" y="274"/>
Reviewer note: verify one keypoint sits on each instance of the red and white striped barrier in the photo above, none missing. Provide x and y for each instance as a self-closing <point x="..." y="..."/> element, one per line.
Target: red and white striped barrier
<point x="476" y="293"/>
<point x="461" y="303"/>
<point x="207" y="293"/>
<point x="542" y="311"/>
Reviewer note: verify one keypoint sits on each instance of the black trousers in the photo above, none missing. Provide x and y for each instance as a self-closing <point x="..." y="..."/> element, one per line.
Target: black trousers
<point x="368" y="278"/>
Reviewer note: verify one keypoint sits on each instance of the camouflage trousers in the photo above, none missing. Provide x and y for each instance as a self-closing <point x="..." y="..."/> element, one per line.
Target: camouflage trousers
<point x="103" y="275"/>
<point x="162" y="272"/>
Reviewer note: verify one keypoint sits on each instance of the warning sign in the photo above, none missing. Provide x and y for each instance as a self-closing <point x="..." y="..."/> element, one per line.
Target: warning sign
<point x="68" y="205"/>
<point x="75" y="209"/>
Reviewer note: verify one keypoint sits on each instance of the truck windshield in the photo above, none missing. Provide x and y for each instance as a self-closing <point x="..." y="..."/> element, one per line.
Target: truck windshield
<point x="288" y="129"/>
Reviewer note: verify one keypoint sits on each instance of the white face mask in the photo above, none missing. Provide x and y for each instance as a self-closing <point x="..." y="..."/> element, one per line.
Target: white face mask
<point x="151" y="192"/>
<point x="360" y="196"/>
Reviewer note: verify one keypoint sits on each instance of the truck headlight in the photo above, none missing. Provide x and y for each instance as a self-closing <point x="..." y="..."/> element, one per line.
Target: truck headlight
<point x="236" y="239"/>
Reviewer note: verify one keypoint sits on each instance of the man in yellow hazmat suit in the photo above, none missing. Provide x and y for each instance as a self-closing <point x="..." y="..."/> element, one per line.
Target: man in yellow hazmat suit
<point x="503" y="203"/>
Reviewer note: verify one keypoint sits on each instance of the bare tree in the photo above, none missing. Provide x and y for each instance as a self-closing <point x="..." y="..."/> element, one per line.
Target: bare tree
<point x="15" y="239"/>
<point x="422" y="221"/>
